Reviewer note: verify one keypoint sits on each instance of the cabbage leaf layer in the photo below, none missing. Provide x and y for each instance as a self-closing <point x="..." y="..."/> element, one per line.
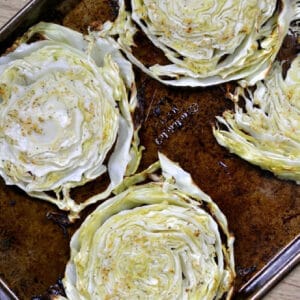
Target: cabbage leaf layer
<point x="266" y="132"/>
<point x="207" y="42"/>
<point x="156" y="240"/>
<point x="65" y="104"/>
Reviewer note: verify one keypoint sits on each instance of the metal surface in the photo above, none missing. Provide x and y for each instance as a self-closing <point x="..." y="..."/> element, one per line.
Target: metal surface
<point x="277" y="268"/>
<point x="26" y="17"/>
<point x="5" y="292"/>
<point x="263" y="212"/>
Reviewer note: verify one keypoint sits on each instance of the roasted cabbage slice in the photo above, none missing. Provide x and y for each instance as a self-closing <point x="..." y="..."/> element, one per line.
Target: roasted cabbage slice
<point x="266" y="132"/>
<point x="207" y="42"/>
<point x="65" y="103"/>
<point x="164" y="239"/>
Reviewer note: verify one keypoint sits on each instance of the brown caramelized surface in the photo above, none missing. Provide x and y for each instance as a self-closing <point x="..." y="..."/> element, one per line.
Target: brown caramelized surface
<point x="263" y="212"/>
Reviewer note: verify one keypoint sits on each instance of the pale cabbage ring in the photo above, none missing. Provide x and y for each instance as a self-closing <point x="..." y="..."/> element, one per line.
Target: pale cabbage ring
<point x="207" y="42"/>
<point x="153" y="241"/>
<point x="66" y="101"/>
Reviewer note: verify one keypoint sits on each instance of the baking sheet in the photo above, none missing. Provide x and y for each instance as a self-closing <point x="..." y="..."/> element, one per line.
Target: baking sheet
<point x="263" y="212"/>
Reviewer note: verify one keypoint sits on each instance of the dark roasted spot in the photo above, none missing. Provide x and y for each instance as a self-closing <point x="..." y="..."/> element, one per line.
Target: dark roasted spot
<point x="61" y="219"/>
<point x="245" y="271"/>
<point x="12" y="202"/>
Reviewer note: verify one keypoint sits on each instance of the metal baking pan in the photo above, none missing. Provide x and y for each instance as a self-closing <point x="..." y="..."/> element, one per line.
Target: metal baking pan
<point x="263" y="211"/>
